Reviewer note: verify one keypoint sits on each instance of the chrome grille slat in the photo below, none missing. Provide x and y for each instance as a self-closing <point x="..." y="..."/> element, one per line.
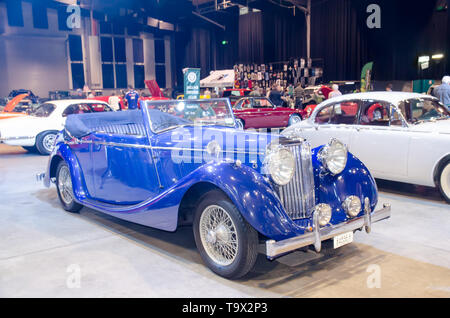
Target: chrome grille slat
<point x="298" y="196"/>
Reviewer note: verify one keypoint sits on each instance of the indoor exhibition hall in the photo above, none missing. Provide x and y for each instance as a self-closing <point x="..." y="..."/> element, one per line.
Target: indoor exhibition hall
<point x="218" y="150"/>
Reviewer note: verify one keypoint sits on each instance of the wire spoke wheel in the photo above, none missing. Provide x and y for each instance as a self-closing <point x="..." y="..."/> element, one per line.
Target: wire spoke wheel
<point x="65" y="185"/>
<point x="218" y="235"/>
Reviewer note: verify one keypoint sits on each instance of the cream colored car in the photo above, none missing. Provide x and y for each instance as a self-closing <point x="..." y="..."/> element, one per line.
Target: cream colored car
<point x="37" y="131"/>
<point x="399" y="136"/>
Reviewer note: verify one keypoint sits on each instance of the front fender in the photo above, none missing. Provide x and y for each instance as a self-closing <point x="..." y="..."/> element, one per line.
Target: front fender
<point x="253" y="196"/>
<point x="333" y="190"/>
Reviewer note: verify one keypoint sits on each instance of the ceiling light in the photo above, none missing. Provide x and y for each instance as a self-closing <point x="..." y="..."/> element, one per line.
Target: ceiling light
<point x="424" y="59"/>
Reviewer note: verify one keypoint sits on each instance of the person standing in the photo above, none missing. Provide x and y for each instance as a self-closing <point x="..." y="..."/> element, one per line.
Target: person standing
<point x="389" y="87"/>
<point x="86" y="91"/>
<point x="298" y="95"/>
<point x="276" y="96"/>
<point x="132" y="98"/>
<point x="256" y="92"/>
<point x="442" y="92"/>
<point x="335" y="92"/>
<point x="114" y="102"/>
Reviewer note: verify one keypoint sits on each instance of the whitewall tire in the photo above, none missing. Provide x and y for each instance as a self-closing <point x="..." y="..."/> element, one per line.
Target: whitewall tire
<point x="294" y="119"/>
<point x="444" y="181"/>
<point x="240" y="124"/>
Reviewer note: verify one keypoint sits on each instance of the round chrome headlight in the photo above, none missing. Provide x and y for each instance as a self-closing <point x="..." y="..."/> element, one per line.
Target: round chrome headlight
<point x="333" y="156"/>
<point x="352" y="205"/>
<point x="280" y="165"/>
<point x="323" y="213"/>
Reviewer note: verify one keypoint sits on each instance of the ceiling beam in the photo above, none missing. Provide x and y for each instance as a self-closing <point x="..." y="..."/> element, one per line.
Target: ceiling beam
<point x="208" y="20"/>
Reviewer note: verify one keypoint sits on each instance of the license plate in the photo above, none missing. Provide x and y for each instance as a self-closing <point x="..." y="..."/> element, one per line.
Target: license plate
<point x="343" y="239"/>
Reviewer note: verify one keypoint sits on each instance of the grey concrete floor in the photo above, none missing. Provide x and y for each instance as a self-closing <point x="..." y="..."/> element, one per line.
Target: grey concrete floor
<point x="47" y="252"/>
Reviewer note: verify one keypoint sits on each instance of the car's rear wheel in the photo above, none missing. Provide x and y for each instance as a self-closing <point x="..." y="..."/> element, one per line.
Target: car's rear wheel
<point x="225" y="241"/>
<point x="444" y="180"/>
<point x="45" y="142"/>
<point x="294" y="119"/>
<point x="64" y="187"/>
<point x="240" y="124"/>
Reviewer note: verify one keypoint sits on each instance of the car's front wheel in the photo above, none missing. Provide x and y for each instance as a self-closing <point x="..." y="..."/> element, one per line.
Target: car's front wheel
<point x="45" y="142"/>
<point x="444" y="181"/>
<point x="240" y="124"/>
<point x="64" y="187"/>
<point x="225" y="241"/>
<point x="294" y="119"/>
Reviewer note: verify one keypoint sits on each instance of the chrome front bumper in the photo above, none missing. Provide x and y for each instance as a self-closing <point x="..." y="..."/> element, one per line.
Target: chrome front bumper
<point x="278" y="248"/>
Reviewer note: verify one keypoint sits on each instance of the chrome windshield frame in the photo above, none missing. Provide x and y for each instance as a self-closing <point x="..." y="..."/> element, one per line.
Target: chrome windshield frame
<point x="152" y="131"/>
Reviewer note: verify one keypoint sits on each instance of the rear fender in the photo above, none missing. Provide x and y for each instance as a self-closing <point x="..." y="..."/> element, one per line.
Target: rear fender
<point x="63" y="152"/>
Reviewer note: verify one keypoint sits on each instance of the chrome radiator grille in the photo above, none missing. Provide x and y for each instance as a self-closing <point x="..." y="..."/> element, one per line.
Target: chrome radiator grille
<point x="298" y="197"/>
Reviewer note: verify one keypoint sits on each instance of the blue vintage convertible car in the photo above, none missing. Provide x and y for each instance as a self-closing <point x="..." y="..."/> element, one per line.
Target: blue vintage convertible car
<point x="184" y="162"/>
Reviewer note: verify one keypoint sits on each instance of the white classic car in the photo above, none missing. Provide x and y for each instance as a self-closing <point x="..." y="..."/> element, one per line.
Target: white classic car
<point x="399" y="136"/>
<point x="37" y="131"/>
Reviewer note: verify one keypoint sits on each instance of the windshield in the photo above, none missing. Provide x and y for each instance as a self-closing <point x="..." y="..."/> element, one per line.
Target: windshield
<point x="44" y="110"/>
<point x="171" y="114"/>
<point x="22" y="107"/>
<point x="418" y="110"/>
<point x="254" y="102"/>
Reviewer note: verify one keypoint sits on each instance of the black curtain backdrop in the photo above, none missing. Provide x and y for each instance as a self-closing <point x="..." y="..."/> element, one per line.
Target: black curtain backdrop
<point x="272" y="35"/>
<point x="409" y="29"/>
<point x="203" y="45"/>
<point x="251" y="38"/>
<point x="284" y="34"/>
<point x="339" y="35"/>
<point x="338" y="38"/>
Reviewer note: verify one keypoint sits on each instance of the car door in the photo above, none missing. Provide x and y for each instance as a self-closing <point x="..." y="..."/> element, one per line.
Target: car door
<point x="82" y="151"/>
<point x="381" y="140"/>
<point x="124" y="171"/>
<point x="123" y="165"/>
<point x="280" y="116"/>
<point x="265" y="116"/>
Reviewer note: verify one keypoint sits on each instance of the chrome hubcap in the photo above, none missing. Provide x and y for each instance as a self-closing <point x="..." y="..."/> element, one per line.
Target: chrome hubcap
<point x="65" y="185"/>
<point x="48" y="142"/>
<point x="295" y="119"/>
<point x="218" y="235"/>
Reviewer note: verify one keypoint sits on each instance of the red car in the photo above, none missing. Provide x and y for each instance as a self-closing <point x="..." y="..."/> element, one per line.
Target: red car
<point x="155" y="91"/>
<point x="152" y="86"/>
<point x="109" y="100"/>
<point x="234" y="94"/>
<point x="260" y="112"/>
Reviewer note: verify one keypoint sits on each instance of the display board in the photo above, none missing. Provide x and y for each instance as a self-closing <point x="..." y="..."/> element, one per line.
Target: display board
<point x="283" y="73"/>
<point x="191" y="83"/>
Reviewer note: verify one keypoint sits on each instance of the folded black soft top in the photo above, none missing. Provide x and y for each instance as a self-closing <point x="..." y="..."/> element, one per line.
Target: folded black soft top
<point x="123" y="122"/>
<point x="80" y="125"/>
